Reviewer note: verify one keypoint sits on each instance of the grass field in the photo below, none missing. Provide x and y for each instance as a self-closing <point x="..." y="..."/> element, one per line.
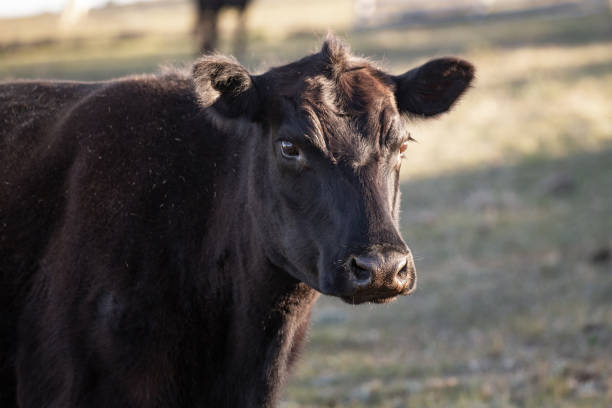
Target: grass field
<point x="507" y="202"/>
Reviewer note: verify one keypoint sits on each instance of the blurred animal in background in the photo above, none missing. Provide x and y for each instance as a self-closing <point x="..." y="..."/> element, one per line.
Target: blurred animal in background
<point x="73" y="11"/>
<point x="206" y="25"/>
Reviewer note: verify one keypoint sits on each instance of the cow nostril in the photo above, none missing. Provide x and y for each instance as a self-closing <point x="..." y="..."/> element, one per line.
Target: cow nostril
<point x="361" y="274"/>
<point x="402" y="273"/>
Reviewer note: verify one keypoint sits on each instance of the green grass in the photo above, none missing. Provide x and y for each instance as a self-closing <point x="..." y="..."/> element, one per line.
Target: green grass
<point x="506" y="202"/>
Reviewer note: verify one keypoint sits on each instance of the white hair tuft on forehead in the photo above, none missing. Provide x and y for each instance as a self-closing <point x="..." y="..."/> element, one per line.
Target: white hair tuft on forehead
<point x="336" y="52"/>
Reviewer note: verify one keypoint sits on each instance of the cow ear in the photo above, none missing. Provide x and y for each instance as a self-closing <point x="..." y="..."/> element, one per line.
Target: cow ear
<point x="434" y="87"/>
<point x="225" y="86"/>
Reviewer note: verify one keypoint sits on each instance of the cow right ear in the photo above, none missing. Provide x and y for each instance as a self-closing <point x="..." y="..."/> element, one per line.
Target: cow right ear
<point x="225" y="86"/>
<point x="434" y="87"/>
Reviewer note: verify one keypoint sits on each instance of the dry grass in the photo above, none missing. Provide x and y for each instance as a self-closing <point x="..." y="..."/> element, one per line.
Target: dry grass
<point x="507" y="203"/>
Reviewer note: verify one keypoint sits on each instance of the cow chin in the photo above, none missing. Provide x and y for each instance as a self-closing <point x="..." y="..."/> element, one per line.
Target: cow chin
<point x="377" y="296"/>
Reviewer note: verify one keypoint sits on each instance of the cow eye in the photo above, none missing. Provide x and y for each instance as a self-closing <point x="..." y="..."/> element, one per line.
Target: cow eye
<point x="289" y="150"/>
<point x="404" y="145"/>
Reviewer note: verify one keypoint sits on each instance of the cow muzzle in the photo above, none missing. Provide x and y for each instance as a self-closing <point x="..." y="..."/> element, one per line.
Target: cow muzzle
<point x="379" y="277"/>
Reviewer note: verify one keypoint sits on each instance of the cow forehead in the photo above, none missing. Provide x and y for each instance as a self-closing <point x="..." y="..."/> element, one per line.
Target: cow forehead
<point x="350" y="115"/>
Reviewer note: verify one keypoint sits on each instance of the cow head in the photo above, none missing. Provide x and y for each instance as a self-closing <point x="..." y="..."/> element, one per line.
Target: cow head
<point x="324" y="170"/>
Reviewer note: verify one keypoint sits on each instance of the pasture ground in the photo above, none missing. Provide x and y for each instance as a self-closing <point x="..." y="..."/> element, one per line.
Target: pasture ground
<point x="507" y="202"/>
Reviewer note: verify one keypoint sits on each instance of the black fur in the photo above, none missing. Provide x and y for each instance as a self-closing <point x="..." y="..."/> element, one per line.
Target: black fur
<point x="157" y="249"/>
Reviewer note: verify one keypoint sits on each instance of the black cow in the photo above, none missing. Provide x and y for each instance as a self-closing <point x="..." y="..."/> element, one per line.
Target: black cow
<point x="163" y="238"/>
<point x="206" y="24"/>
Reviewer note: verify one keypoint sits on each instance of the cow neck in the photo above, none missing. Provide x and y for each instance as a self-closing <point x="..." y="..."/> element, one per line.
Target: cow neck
<point x="266" y="309"/>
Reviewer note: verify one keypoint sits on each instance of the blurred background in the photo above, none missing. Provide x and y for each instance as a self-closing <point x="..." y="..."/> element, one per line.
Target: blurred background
<point x="507" y="201"/>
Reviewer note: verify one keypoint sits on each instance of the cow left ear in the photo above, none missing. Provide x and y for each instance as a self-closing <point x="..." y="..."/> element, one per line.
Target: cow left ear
<point x="434" y="87"/>
<point x="225" y="86"/>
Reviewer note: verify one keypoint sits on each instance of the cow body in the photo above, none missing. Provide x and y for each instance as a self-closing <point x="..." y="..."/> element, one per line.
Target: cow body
<point x="117" y="314"/>
<point x="147" y="258"/>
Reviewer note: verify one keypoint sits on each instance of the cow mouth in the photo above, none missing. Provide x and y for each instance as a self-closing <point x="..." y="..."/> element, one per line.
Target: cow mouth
<point x="381" y="296"/>
<point x="378" y="298"/>
<point x="358" y="299"/>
